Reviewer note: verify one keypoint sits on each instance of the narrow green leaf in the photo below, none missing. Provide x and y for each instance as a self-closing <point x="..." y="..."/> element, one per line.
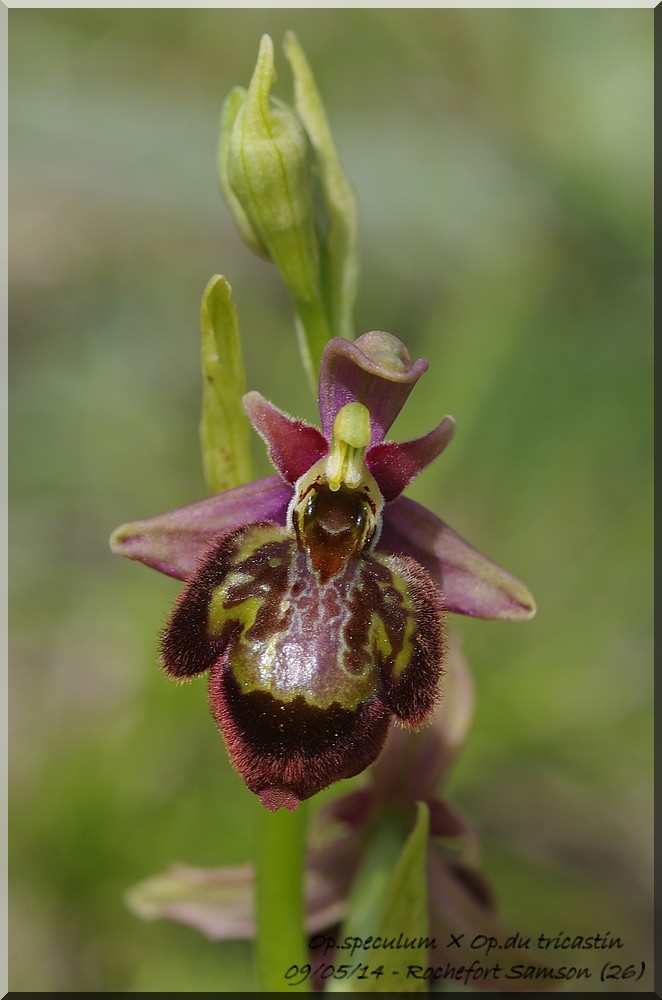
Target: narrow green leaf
<point x="224" y="427"/>
<point x="339" y="263"/>
<point x="405" y="907"/>
<point x="390" y="902"/>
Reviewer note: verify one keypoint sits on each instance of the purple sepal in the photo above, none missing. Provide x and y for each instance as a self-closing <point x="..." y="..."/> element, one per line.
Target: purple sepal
<point x="220" y="902"/>
<point x="395" y="463"/>
<point x="293" y="445"/>
<point x="375" y="370"/>
<point x="471" y="583"/>
<point x="174" y="542"/>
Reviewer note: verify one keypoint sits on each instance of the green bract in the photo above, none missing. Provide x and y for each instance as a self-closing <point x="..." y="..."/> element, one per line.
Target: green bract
<point x="224" y="428"/>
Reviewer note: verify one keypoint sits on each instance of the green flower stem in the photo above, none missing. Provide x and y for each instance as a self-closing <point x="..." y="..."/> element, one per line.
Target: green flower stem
<point x="312" y="334"/>
<point x="279" y="902"/>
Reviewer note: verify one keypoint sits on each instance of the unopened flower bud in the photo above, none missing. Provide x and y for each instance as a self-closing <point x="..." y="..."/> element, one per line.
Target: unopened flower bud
<point x="266" y="168"/>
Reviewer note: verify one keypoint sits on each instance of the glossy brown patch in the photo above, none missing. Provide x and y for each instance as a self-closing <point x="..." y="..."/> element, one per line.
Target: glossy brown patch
<point x="333" y="528"/>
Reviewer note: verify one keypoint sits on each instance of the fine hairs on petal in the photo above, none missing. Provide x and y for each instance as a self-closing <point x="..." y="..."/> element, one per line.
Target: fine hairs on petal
<point x="296" y="748"/>
<point x="293" y="445"/>
<point x="413" y="692"/>
<point x="278" y="797"/>
<point x="189" y="644"/>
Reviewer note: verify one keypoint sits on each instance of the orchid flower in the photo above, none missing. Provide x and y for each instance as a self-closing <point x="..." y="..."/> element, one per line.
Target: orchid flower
<point x="316" y="598"/>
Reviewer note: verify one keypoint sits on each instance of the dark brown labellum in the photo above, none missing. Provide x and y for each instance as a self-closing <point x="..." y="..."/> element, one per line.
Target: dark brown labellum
<point x="313" y="642"/>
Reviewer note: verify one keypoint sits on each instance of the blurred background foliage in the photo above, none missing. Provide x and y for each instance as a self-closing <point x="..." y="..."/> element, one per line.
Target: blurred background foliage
<point x="502" y="160"/>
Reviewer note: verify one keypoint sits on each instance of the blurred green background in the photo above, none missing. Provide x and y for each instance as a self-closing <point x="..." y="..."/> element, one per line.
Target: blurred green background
<point x="502" y="160"/>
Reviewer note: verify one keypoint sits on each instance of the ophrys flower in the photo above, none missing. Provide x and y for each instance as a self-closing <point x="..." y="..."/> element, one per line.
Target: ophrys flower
<point x="316" y="598"/>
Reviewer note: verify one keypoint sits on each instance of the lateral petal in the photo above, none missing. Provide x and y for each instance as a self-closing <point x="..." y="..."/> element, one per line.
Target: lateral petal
<point x="293" y="445"/>
<point x="395" y="463"/>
